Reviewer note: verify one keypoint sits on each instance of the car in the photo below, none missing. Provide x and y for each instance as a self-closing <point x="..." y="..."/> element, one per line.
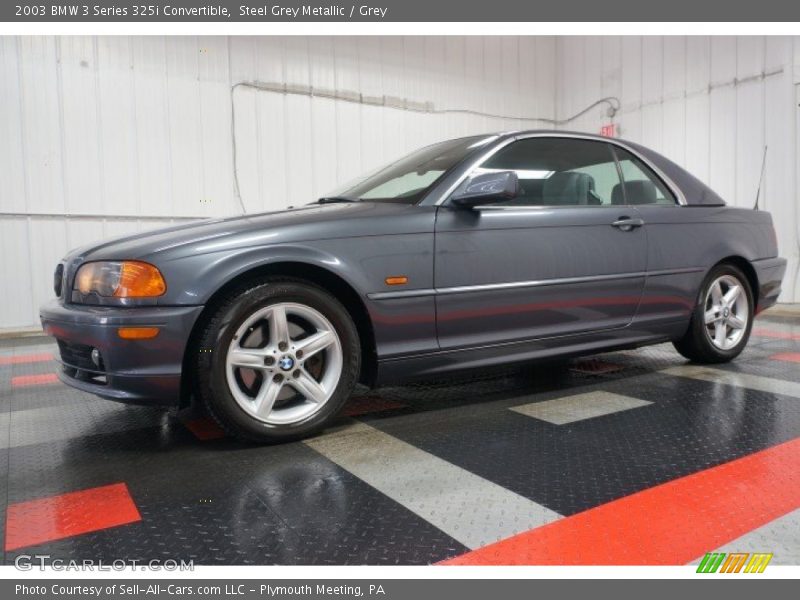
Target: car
<point x="469" y="253"/>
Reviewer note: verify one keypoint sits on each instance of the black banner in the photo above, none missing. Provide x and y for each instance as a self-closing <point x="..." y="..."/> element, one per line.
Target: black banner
<point x="390" y="589"/>
<point x="151" y="11"/>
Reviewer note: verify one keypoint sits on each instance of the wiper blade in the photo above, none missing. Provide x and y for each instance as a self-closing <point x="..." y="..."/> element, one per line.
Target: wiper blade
<point x="333" y="199"/>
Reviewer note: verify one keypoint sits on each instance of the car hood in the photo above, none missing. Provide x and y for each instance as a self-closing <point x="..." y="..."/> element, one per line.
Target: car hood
<point x="313" y="222"/>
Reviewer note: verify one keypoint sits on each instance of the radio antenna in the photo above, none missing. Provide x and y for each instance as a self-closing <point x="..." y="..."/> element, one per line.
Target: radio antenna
<point x="761" y="178"/>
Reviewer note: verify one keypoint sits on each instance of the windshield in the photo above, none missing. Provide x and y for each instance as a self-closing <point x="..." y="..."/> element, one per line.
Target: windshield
<point x="408" y="179"/>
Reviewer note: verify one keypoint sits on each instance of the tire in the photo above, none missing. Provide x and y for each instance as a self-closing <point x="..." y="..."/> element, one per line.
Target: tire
<point x="267" y="378"/>
<point x="725" y="336"/>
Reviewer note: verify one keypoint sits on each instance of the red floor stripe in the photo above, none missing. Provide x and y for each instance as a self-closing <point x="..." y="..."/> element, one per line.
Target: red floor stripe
<point x="772" y="333"/>
<point x="205" y="429"/>
<point x="787" y="356"/>
<point x="48" y="519"/>
<point x="25" y="358"/>
<point x="369" y="404"/>
<point x="670" y="524"/>
<point x="27" y="380"/>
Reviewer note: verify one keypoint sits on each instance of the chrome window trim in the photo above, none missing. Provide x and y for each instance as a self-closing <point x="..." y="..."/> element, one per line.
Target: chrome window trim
<point x="445" y="196"/>
<point x="543" y="207"/>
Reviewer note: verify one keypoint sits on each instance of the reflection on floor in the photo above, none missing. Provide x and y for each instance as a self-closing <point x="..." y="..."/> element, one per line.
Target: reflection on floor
<point x="631" y="457"/>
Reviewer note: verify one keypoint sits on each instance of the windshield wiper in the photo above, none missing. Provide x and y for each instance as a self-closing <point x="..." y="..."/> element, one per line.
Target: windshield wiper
<point x="332" y="199"/>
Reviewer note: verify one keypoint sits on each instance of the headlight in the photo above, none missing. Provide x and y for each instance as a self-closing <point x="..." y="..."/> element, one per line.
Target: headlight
<point x="120" y="279"/>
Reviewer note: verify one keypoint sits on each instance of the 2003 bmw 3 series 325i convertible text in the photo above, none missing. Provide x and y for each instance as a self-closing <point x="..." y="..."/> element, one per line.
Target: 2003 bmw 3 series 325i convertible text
<point x="465" y="254"/>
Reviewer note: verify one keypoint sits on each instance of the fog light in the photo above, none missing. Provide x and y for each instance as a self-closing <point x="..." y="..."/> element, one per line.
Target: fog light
<point x="96" y="357"/>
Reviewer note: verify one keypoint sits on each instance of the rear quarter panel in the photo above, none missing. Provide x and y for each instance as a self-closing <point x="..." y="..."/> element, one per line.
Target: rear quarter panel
<point x="684" y="242"/>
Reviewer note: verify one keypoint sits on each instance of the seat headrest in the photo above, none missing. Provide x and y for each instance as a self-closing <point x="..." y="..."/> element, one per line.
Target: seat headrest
<point x="637" y="192"/>
<point x="567" y="188"/>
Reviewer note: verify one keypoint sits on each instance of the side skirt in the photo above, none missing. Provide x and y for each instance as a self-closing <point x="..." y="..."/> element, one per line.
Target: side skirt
<point x="422" y="366"/>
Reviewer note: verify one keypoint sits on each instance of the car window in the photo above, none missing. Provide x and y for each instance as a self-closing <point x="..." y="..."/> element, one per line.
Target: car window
<point x="642" y="186"/>
<point x="408" y="179"/>
<point x="559" y="172"/>
<point x="403" y="185"/>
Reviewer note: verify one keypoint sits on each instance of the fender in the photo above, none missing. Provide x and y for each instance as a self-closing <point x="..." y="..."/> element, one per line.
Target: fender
<point x="401" y="326"/>
<point x="210" y="272"/>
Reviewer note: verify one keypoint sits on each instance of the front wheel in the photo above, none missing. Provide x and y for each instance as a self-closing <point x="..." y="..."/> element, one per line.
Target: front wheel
<point x="721" y="320"/>
<point x="277" y="360"/>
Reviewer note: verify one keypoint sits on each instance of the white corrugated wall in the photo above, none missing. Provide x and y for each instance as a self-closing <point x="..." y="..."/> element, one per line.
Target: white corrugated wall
<point x="101" y="136"/>
<point x="710" y="104"/>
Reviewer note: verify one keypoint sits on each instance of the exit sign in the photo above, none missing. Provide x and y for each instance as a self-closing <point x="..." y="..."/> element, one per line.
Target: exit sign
<point x="609" y="130"/>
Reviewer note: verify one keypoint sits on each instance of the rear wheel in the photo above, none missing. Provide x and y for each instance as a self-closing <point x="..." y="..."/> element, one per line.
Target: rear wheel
<point x="277" y="360"/>
<point x="722" y="318"/>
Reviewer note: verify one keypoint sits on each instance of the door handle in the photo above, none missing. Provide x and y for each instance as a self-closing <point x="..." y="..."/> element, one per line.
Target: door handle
<point x="627" y="224"/>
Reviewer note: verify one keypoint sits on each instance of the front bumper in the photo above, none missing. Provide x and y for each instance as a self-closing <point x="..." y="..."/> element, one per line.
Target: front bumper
<point x="135" y="371"/>
<point x="770" y="272"/>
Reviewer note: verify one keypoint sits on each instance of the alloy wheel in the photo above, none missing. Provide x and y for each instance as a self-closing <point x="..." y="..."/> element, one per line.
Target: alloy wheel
<point x="284" y="363"/>
<point x="726" y="312"/>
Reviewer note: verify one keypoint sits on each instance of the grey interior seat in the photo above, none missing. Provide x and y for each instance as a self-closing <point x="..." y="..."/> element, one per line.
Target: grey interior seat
<point x="568" y="188"/>
<point x="637" y="192"/>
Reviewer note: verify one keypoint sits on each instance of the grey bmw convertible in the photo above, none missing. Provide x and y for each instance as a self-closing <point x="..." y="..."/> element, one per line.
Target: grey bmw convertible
<point x="469" y="253"/>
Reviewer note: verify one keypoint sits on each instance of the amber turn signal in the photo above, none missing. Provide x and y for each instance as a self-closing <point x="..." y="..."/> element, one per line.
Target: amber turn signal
<point x="137" y="333"/>
<point x="139" y="280"/>
<point x="396" y="280"/>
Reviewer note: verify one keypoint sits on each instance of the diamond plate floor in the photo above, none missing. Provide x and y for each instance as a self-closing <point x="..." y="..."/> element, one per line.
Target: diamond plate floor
<point x="607" y="427"/>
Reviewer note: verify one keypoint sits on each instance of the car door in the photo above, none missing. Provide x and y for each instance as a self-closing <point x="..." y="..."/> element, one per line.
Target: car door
<point x="566" y="256"/>
<point x="674" y="272"/>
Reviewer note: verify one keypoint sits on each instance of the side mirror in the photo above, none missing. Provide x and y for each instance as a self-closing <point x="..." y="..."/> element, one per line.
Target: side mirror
<point x="487" y="188"/>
